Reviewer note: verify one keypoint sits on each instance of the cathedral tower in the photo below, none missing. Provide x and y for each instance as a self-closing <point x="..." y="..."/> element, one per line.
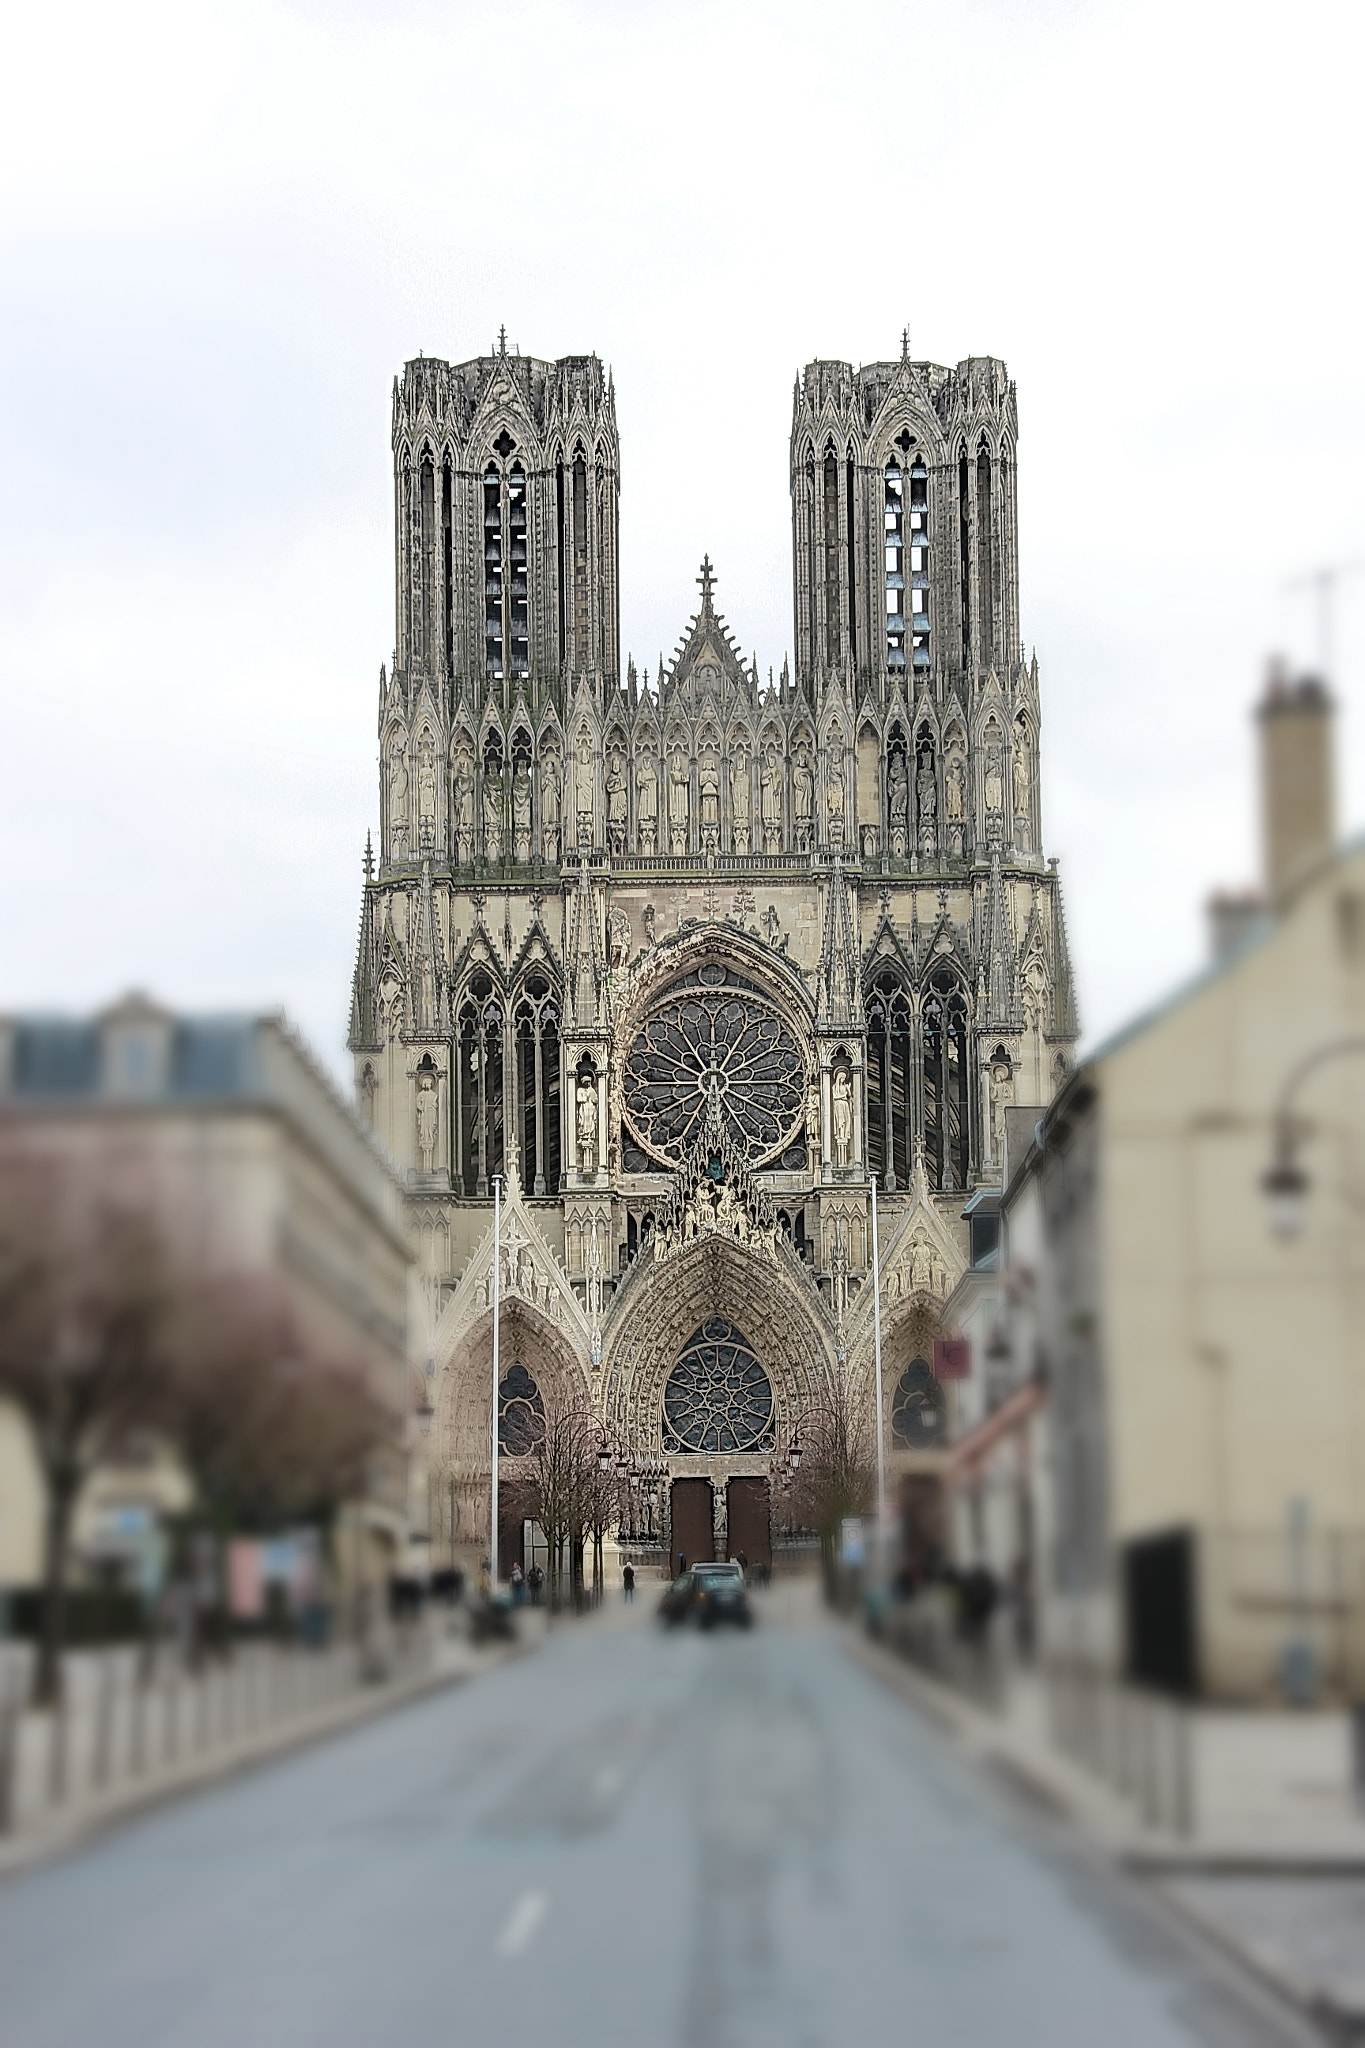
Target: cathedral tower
<point x="685" y="961"/>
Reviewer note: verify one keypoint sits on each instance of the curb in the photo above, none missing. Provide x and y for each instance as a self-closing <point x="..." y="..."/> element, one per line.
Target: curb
<point x="57" y="1835"/>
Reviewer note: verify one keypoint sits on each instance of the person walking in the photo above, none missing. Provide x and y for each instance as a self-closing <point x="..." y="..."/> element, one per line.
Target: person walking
<point x="682" y="1562"/>
<point x="628" y="1583"/>
<point x="535" y="1579"/>
<point x="517" y="1581"/>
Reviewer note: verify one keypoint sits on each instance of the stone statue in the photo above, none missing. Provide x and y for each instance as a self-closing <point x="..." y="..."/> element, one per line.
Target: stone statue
<point x="426" y="789"/>
<point x="898" y="803"/>
<point x="616" y="801"/>
<point x="708" y="788"/>
<point x="803" y="799"/>
<point x="1021" y="778"/>
<point x="955" y="787"/>
<point x="585" y="1124"/>
<point x="649" y="924"/>
<point x="995" y="777"/>
<point x="584" y="791"/>
<point x="620" y="938"/>
<point x="834" y="802"/>
<point x="921" y="1264"/>
<point x="550" y="791"/>
<point x="647" y="803"/>
<point x="1002" y="1095"/>
<point x="770" y="798"/>
<point x="774" y="924"/>
<point x="398" y="792"/>
<point x="739" y="801"/>
<point x="521" y="811"/>
<point x="926" y="804"/>
<point x="427" y="1105"/>
<point x="841" y="1115"/>
<point x="492" y="815"/>
<point x="813" y="1122"/>
<point x="677" y="802"/>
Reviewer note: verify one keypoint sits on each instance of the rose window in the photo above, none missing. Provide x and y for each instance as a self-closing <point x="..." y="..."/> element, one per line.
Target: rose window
<point x="715" y="1027"/>
<point x="718" y="1397"/>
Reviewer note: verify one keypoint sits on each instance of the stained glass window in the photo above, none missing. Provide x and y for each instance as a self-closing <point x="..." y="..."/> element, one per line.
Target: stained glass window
<point x="716" y="1024"/>
<point x="917" y="1408"/>
<point x="718" y="1397"/>
<point x="521" y="1412"/>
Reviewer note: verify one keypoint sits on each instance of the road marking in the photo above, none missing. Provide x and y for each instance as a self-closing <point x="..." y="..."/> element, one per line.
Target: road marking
<point x="522" y="1923"/>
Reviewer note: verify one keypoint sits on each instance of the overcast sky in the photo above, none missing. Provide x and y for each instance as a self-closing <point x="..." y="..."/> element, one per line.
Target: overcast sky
<point x="226" y="226"/>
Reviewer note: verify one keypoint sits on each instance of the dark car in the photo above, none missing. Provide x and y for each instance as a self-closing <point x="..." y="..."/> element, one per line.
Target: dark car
<point x="707" y="1594"/>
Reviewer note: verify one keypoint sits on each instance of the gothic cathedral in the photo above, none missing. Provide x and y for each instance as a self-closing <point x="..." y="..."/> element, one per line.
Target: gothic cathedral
<point x="685" y="961"/>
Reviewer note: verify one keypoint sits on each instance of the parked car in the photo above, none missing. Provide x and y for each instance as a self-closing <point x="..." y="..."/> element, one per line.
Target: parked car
<point x="708" y="1594"/>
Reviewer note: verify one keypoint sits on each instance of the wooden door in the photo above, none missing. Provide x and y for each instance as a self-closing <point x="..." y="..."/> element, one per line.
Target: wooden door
<point x="693" y="1522"/>
<point x="748" y="1521"/>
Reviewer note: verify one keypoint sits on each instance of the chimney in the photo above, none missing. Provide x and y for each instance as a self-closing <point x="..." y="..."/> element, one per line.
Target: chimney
<point x="1297" y="823"/>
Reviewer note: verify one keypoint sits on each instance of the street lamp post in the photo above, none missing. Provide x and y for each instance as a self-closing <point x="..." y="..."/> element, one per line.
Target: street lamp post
<point x="497" y="1305"/>
<point x="1285" y="1183"/>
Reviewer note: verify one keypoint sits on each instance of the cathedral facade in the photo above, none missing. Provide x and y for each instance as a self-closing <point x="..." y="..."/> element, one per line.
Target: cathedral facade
<point x="682" y="962"/>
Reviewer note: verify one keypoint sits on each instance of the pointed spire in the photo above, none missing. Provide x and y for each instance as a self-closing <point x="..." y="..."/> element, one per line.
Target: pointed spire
<point x="367" y="864"/>
<point x="707" y="581"/>
<point x="999" y="964"/>
<point x="364" y="1031"/>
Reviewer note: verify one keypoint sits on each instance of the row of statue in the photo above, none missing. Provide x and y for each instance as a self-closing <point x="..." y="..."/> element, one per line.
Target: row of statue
<point x="781" y="813"/>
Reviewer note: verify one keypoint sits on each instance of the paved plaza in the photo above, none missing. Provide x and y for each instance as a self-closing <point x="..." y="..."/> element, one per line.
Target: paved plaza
<point x="622" y="1838"/>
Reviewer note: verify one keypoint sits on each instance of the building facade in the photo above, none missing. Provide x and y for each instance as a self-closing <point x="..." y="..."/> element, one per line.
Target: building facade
<point x="681" y="962"/>
<point x="224" y="1130"/>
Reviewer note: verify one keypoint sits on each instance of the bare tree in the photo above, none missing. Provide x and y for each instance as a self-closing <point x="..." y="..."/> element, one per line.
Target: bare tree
<point x="837" y="1473"/>
<point x="556" y="1481"/>
<point x="84" y="1351"/>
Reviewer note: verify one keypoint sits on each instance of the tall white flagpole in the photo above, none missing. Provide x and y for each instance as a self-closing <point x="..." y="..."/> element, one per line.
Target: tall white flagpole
<point x="877" y="1342"/>
<point x="497" y="1305"/>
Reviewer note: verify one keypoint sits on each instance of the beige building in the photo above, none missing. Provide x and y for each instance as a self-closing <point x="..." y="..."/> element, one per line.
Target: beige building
<point x="1205" y="1370"/>
<point x="253" y="1165"/>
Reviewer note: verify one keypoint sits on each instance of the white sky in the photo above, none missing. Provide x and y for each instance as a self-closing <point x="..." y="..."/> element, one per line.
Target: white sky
<point x="226" y="226"/>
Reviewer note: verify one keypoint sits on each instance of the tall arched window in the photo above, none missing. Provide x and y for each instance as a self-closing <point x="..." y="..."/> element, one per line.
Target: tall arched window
<point x="918" y="538"/>
<point x="890" y="1056"/>
<point x="831" y="535"/>
<point x="518" y="621"/>
<point x="479" y="1107"/>
<point x="492" y="571"/>
<point x="946" y="1082"/>
<point x="537" y="1017"/>
<point x="985" y="560"/>
<point x="895" y="564"/>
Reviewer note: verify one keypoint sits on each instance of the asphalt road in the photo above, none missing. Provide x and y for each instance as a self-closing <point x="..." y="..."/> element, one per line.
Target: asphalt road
<point x="624" y="1838"/>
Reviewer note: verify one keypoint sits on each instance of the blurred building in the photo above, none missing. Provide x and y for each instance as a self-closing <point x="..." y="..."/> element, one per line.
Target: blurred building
<point x="685" y="959"/>
<point x="254" y="1167"/>
<point x="1204" y="1505"/>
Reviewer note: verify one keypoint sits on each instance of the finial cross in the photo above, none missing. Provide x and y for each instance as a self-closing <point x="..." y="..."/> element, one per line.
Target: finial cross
<point x="502" y="340"/>
<point x="905" y="344"/>
<point x="706" y="579"/>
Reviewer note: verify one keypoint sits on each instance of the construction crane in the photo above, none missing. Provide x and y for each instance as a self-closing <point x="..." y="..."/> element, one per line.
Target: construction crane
<point x="1325" y="581"/>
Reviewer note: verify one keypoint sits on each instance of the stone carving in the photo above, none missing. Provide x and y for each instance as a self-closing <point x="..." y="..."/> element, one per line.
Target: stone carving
<point x="803" y="798"/>
<point x="583" y="790"/>
<point x="739" y="801"/>
<point x="462" y="805"/>
<point x="773" y="923"/>
<point x="770" y="799"/>
<point x="647" y="803"/>
<point x="841" y="1115"/>
<point x="426" y="790"/>
<point x="834" y="794"/>
<point x="616" y="801"/>
<point x="492" y="813"/>
<point x="585" y="1123"/>
<point x="898" y="804"/>
<point x="1023" y="790"/>
<point x="994" y="786"/>
<point x="1001" y="1096"/>
<point x="926" y="804"/>
<point x="550" y="792"/>
<point x="620" y="938"/>
<point x="708" y="788"/>
<point x="398" y="794"/>
<point x="521" y="812"/>
<point x="678" y="795"/>
<point x="427" y="1118"/>
<point x="649" y="924"/>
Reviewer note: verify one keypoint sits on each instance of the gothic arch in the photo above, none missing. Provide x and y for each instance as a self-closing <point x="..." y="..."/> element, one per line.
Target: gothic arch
<point x="770" y="1300"/>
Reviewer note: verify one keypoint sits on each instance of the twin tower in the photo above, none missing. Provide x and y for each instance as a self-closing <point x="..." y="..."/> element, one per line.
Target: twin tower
<point x="809" y="916"/>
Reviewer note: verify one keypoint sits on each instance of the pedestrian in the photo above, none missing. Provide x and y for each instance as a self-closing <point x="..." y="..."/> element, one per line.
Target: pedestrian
<point x="628" y="1583"/>
<point x="682" y="1562"/>
<point x="485" y="1578"/>
<point x="517" y="1581"/>
<point x="535" y="1579"/>
<point x="743" y="1563"/>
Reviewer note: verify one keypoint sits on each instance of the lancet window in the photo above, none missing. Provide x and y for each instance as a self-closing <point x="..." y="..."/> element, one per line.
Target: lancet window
<point x="890" y="1075"/>
<point x="917" y="608"/>
<point x="538" y="1090"/>
<point x="493" y="566"/>
<point x="946" y="1082"/>
<point x="479" y="1089"/>
<point x="895" y="564"/>
<point x="518" y="617"/>
<point x="985" y="554"/>
<point x="831" y="527"/>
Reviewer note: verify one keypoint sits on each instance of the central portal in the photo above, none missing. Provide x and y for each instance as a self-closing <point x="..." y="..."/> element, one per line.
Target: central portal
<point x="692" y="1513"/>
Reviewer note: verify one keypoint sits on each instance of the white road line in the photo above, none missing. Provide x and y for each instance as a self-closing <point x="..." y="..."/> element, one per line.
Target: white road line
<point x="522" y="1923"/>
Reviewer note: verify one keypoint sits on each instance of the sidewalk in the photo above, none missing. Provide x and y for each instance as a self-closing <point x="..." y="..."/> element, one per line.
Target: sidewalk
<point x="1271" y="1864"/>
<point x="128" y="1749"/>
